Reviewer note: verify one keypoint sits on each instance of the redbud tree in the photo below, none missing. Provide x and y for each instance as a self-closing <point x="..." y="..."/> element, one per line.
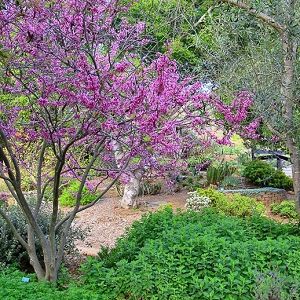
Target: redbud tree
<point x="85" y="89"/>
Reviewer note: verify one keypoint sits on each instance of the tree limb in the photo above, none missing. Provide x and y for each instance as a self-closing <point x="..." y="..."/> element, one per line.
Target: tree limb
<point x="203" y="17"/>
<point x="259" y="15"/>
<point x="14" y="230"/>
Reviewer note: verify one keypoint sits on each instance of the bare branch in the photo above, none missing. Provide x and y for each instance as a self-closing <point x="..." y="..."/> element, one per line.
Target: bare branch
<point x="82" y="208"/>
<point x="203" y="17"/>
<point x="39" y="178"/>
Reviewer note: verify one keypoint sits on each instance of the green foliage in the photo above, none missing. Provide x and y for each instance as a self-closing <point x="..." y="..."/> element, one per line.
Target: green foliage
<point x="285" y="209"/>
<point x="190" y="255"/>
<point x="232" y="205"/>
<point x="13" y="253"/>
<point x="230" y="182"/>
<point x="192" y="182"/>
<point x="68" y="195"/>
<point x="150" y="188"/>
<point x="195" y="256"/>
<point x="195" y="160"/>
<point x="169" y="22"/>
<point x="216" y="174"/>
<point x="263" y="174"/>
<point x="12" y="288"/>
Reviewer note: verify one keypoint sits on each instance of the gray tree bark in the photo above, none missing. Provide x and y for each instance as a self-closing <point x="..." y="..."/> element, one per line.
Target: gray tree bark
<point x="131" y="190"/>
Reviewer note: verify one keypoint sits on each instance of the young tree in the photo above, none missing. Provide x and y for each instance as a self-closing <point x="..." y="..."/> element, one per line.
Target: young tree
<point x="86" y="91"/>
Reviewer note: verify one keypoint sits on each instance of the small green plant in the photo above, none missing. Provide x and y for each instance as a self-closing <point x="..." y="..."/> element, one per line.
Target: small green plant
<point x="198" y="163"/>
<point x="216" y="174"/>
<point x="285" y="209"/>
<point x="150" y="188"/>
<point x="263" y="174"/>
<point x="191" y="183"/>
<point x="196" y="203"/>
<point x="68" y="195"/>
<point x="232" y="205"/>
<point x="230" y="182"/>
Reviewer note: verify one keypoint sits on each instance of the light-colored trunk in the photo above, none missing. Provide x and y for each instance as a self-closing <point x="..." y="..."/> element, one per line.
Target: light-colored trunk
<point x="132" y="187"/>
<point x="131" y="190"/>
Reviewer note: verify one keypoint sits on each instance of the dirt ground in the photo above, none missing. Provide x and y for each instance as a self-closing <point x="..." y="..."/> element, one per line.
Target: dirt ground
<point x="106" y="221"/>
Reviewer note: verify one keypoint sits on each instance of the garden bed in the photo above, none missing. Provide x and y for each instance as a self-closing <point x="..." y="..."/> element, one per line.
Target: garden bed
<point x="267" y="194"/>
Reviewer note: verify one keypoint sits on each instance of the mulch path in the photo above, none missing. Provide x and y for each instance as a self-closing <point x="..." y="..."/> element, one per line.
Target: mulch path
<point x="107" y="221"/>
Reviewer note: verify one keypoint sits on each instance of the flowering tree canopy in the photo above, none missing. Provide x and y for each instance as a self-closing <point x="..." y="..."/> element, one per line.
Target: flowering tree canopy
<point x="84" y="88"/>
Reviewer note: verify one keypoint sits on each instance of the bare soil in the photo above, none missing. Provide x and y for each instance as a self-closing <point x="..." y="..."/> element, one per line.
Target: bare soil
<point x="107" y="221"/>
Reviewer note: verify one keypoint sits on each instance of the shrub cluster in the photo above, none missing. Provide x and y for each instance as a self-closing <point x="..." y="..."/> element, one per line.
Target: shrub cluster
<point x="197" y="256"/>
<point x="191" y="183"/>
<point x="150" y="188"/>
<point x="263" y="174"/>
<point x="234" y="205"/>
<point x="285" y="209"/>
<point x="216" y="174"/>
<point x="13" y="253"/>
<point x="186" y="255"/>
<point x="68" y="195"/>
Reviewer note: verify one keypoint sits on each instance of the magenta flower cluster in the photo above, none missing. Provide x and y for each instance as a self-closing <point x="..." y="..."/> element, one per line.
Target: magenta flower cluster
<point x="77" y="63"/>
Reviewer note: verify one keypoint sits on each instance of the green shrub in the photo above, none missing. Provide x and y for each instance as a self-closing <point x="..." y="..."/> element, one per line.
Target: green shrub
<point x="195" y="256"/>
<point x="232" y="205"/>
<point x="230" y="182"/>
<point x="189" y="255"/>
<point x="196" y="162"/>
<point x="12" y="288"/>
<point x="150" y="188"/>
<point x="68" y="195"/>
<point x="216" y="174"/>
<point x="191" y="183"/>
<point x="285" y="209"/>
<point x="13" y="253"/>
<point x="263" y="174"/>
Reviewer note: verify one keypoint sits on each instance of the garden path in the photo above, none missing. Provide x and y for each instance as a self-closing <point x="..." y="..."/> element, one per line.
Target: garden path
<point x="106" y="221"/>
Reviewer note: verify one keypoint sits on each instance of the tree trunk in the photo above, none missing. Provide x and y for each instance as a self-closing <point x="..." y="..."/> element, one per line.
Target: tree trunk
<point x="131" y="190"/>
<point x="289" y="46"/>
<point x="34" y="260"/>
<point x="295" y="155"/>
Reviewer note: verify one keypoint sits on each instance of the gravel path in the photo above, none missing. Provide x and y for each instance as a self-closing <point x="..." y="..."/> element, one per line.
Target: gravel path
<point x="107" y="221"/>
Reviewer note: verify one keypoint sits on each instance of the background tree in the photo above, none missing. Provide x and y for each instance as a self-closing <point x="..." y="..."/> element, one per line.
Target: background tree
<point x="269" y="67"/>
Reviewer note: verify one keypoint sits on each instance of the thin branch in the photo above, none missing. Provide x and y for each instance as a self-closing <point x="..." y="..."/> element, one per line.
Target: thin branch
<point x="82" y="208"/>
<point x="14" y="230"/>
<point x="203" y="17"/>
<point x="39" y="178"/>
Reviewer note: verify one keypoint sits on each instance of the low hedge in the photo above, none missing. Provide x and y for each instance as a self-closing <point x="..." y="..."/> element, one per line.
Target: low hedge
<point x="262" y="174"/>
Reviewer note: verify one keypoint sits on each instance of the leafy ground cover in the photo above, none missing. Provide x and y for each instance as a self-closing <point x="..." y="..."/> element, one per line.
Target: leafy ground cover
<point x="188" y="255"/>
